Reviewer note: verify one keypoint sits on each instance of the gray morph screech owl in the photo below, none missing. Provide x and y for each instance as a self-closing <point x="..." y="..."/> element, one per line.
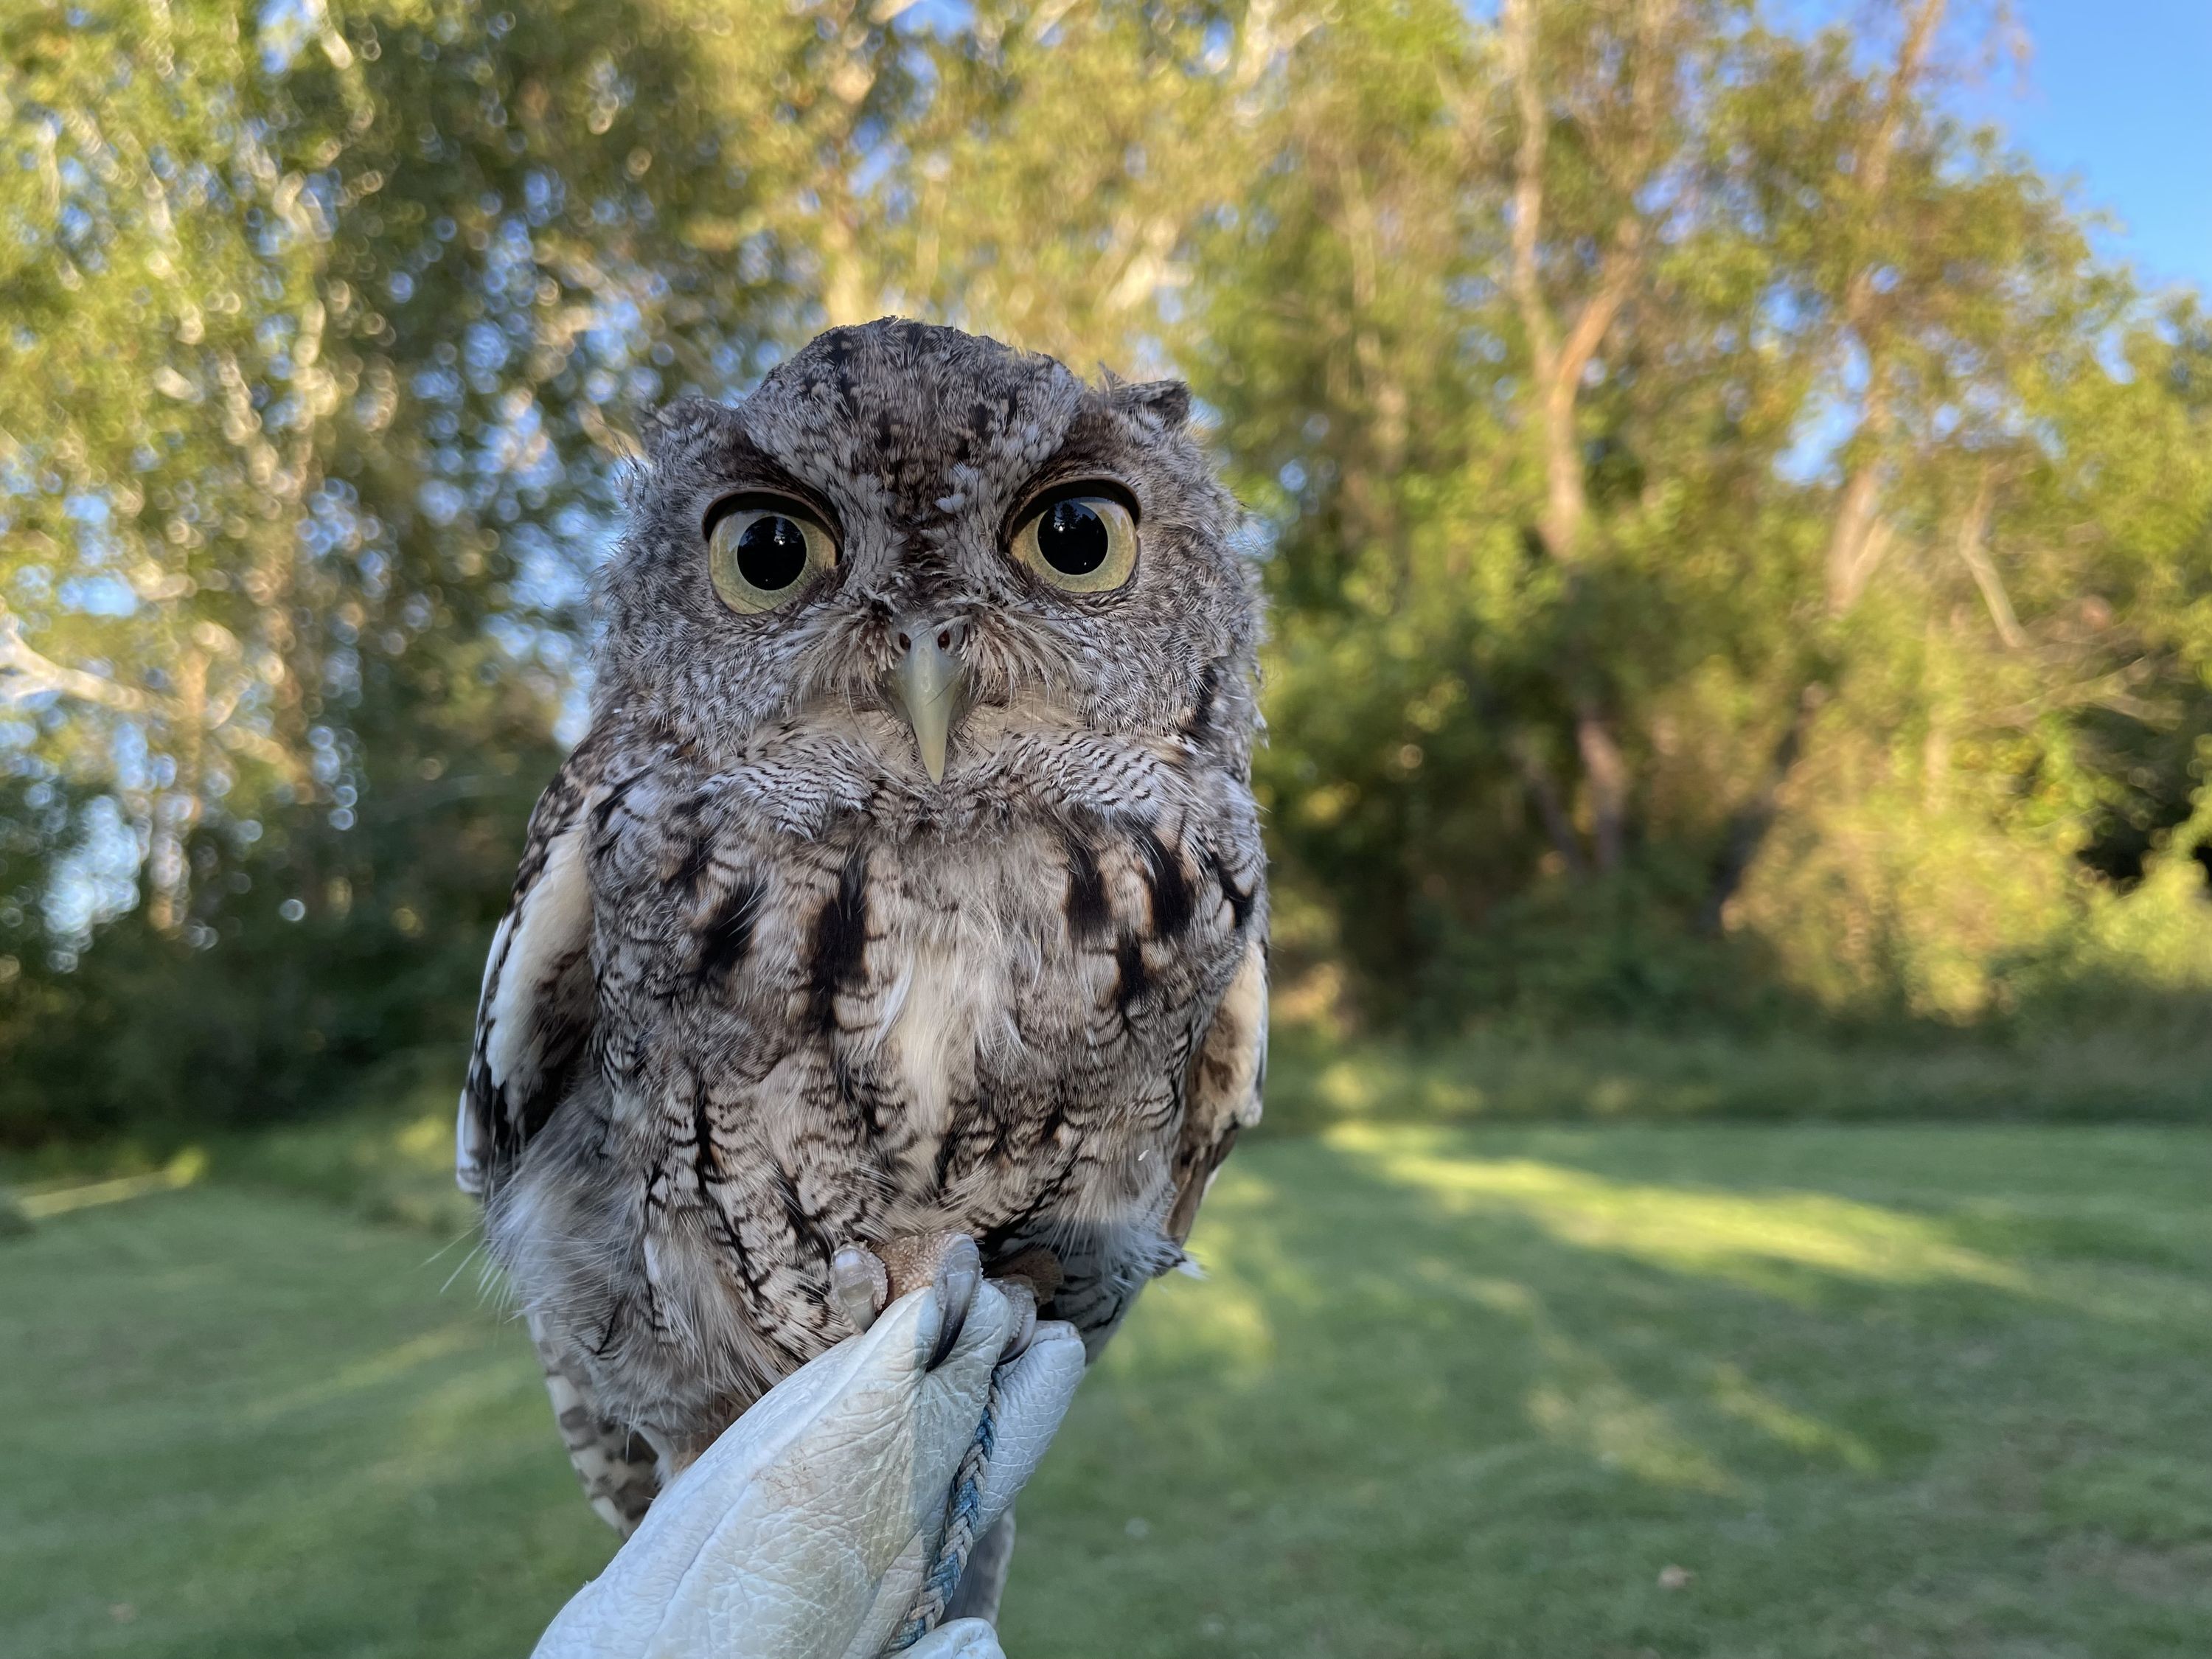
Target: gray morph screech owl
<point x="908" y="879"/>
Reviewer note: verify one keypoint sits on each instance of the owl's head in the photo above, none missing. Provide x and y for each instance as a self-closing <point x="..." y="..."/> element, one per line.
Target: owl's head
<point x="912" y="556"/>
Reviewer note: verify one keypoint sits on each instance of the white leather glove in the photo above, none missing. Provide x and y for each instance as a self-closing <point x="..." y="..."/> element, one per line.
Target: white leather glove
<point x="804" y="1531"/>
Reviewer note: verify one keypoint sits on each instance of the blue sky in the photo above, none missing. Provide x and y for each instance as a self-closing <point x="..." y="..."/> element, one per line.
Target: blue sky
<point x="2119" y="95"/>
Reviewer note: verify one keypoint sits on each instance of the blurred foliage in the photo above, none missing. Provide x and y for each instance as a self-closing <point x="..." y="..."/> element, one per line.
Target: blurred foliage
<point x="1738" y="554"/>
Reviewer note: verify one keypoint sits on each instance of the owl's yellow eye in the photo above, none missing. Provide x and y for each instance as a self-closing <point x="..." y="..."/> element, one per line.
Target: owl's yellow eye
<point x="1079" y="543"/>
<point x="764" y="552"/>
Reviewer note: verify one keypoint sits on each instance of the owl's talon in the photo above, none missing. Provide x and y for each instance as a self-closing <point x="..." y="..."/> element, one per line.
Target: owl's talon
<point x="859" y="1285"/>
<point x="959" y="1273"/>
<point x="1022" y="1296"/>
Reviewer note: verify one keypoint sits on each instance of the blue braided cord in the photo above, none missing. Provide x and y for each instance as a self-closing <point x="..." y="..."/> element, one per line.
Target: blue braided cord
<point x="961" y="1511"/>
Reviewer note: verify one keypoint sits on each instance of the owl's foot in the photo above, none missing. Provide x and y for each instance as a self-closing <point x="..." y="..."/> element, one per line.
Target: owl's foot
<point x="859" y="1285"/>
<point x="1029" y="1281"/>
<point x="864" y="1282"/>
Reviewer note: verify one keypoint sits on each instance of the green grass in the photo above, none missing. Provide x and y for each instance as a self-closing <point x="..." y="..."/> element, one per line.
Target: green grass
<point x="1599" y="1074"/>
<point x="1850" y="1390"/>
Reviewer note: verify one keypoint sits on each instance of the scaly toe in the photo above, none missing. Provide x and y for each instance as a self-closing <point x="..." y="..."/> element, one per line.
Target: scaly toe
<point x="948" y="1261"/>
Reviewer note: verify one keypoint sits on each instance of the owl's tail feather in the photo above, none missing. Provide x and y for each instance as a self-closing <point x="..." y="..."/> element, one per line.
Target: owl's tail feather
<point x="618" y="1469"/>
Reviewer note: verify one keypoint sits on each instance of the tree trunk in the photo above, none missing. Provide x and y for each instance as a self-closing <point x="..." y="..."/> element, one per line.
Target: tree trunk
<point x="173" y="812"/>
<point x="1551" y="810"/>
<point x="1974" y="532"/>
<point x="1556" y="361"/>
<point x="1606" y="774"/>
<point x="1857" y="538"/>
<point x="1747" y="826"/>
<point x="1855" y="543"/>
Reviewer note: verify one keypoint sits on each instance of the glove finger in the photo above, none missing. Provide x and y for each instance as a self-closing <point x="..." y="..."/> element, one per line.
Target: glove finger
<point x="992" y="1317"/>
<point x="816" y="1511"/>
<point x="1034" y="1395"/>
<point x="963" y="1639"/>
<point x="793" y="1517"/>
<point x="950" y="1396"/>
<point x="946" y="1403"/>
<point x="986" y="1322"/>
<point x="856" y="1392"/>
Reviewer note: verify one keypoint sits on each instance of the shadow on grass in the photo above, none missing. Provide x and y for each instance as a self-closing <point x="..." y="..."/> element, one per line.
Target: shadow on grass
<point x="1708" y="1390"/>
<point x="1446" y="1396"/>
<point x="240" y="1423"/>
<point x="1628" y="1075"/>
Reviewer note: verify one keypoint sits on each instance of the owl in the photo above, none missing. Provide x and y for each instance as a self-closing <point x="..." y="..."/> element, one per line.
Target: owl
<point x="908" y="885"/>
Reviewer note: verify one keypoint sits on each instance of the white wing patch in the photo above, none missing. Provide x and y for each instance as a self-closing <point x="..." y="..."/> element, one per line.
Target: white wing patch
<point x="1228" y="1076"/>
<point x="552" y="926"/>
<point x="536" y="997"/>
<point x="470" y="1150"/>
<point x="1237" y="1040"/>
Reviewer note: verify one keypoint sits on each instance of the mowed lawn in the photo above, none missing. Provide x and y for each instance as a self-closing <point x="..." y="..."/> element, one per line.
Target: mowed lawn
<point x="1786" y="1391"/>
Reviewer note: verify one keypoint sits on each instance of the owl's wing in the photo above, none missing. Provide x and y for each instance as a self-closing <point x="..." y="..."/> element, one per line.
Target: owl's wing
<point x="536" y="1012"/>
<point x="1226" y="1077"/>
<point x="617" y="1467"/>
<point x="533" y="1023"/>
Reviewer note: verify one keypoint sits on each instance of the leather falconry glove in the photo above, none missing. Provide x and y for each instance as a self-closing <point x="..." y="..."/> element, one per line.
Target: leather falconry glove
<point x="807" y="1529"/>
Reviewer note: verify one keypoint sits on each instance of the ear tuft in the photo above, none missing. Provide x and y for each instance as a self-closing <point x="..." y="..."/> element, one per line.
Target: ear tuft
<point x="1167" y="402"/>
<point x="633" y="483"/>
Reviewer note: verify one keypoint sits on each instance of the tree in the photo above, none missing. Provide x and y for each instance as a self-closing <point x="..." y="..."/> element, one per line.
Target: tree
<point x="1729" y="537"/>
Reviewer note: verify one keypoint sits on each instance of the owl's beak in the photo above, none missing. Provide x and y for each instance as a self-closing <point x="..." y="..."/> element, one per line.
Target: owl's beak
<point x="926" y="682"/>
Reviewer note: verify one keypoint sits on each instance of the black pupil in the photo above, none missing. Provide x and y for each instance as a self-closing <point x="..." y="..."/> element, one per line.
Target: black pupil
<point x="1072" y="539"/>
<point x="772" y="552"/>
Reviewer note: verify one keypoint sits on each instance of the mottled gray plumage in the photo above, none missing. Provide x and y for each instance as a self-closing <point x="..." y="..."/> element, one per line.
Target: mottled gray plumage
<point x="766" y="989"/>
